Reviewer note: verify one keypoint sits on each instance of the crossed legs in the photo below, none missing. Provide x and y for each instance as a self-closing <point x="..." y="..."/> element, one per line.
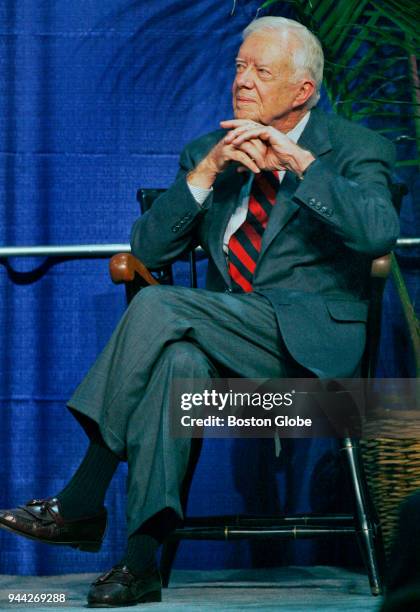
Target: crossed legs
<point x="167" y="333"/>
<point x="123" y="402"/>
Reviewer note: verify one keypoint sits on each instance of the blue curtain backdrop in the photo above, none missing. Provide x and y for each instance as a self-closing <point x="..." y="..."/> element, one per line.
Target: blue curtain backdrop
<point x="97" y="99"/>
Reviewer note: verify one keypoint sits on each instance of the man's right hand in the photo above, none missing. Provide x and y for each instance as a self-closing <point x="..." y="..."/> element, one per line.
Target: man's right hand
<point x="250" y="156"/>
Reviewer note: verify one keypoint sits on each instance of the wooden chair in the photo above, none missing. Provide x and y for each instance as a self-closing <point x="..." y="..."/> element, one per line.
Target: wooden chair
<point x="363" y="523"/>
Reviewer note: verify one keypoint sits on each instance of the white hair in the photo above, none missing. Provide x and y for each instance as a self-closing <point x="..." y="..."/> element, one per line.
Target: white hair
<point x="308" y="58"/>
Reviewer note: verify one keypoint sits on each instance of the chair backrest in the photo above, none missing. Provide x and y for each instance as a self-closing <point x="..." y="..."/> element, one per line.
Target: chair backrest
<point x="379" y="274"/>
<point x="398" y="191"/>
<point x="146" y="197"/>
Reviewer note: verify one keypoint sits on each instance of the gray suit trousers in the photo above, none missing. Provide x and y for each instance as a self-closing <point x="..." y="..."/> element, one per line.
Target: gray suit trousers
<point x="167" y="333"/>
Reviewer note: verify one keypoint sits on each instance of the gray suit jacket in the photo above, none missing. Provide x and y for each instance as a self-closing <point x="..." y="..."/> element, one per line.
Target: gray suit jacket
<point x="321" y="237"/>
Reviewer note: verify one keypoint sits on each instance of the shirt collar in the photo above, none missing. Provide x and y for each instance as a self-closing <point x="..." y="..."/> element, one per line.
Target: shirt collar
<point x="296" y="132"/>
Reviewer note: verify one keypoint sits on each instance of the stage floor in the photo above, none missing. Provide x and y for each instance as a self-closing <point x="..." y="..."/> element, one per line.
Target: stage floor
<point x="294" y="589"/>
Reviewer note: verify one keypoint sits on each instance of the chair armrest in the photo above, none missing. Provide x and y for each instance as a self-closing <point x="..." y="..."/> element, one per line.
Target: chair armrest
<point x="381" y="267"/>
<point x="124" y="267"/>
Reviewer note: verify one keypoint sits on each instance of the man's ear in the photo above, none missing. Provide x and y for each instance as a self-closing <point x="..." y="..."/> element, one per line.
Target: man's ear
<point x="306" y="89"/>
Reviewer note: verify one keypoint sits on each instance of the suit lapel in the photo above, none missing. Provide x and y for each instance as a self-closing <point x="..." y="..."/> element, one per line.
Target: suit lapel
<point x="283" y="210"/>
<point x="315" y="138"/>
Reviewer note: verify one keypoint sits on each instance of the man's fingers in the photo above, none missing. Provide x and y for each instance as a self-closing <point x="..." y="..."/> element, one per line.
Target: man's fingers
<point x="230" y="136"/>
<point x="238" y="126"/>
<point x="254" y="133"/>
<point x="260" y="145"/>
<point x="255" y="152"/>
<point x="234" y="123"/>
<point x="244" y="160"/>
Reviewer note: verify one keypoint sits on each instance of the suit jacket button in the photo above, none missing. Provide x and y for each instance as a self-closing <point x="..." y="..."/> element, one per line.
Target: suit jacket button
<point x="324" y="209"/>
<point x="228" y="290"/>
<point x="312" y="201"/>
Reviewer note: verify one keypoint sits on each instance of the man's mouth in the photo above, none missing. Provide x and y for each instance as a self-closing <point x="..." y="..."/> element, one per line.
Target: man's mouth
<point x="242" y="99"/>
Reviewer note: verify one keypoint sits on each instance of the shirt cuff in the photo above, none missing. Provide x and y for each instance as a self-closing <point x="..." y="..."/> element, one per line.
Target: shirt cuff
<point x="199" y="194"/>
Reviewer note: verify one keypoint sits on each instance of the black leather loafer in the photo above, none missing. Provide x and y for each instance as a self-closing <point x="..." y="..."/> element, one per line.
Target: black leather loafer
<point x="120" y="586"/>
<point x="41" y="519"/>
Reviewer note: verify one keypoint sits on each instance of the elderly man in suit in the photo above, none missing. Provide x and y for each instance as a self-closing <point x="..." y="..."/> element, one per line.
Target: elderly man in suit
<point x="291" y="206"/>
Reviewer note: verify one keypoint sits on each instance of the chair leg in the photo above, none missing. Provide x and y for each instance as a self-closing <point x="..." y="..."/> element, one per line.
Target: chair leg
<point x="367" y="526"/>
<point x="167" y="557"/>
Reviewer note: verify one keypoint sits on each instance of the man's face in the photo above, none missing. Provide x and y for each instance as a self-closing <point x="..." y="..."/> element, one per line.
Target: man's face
<point x="264" y="89"/>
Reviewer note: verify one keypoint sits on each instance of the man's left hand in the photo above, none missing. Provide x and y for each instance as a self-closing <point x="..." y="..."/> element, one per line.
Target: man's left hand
<point x="281" y="153"/>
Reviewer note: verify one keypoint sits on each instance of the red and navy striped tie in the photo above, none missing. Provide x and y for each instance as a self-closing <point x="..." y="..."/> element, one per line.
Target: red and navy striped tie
<point x="245" y="244"/>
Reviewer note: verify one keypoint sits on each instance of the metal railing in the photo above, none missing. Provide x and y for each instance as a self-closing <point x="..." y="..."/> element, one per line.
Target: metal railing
<point x="76" y="250"/>
<point x="107" y="250"/>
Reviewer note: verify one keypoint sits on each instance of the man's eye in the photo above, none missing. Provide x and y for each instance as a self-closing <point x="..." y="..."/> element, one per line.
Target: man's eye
<point x="264" y="73"/>
<point x="240" y="67"/>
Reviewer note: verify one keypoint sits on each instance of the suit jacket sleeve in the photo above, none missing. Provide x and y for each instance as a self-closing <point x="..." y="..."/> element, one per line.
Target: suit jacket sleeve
<point x="356" y="203"/>
<point x="169" y="228"/>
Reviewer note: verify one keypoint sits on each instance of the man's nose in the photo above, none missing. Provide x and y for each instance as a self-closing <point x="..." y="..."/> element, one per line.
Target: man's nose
<point x="246" y="78"/>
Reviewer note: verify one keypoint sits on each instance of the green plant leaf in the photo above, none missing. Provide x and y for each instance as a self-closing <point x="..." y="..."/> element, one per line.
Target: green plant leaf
<point x="408" y="162"/>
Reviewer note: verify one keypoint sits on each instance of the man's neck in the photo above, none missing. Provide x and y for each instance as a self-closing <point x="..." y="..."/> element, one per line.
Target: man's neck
<point x="289" y="121"/>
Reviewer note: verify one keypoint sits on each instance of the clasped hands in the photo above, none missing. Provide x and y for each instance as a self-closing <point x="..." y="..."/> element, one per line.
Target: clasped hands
<point x="254" y="147"/>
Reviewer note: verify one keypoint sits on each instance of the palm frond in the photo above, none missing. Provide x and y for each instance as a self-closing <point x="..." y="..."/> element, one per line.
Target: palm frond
<point x="367" y="44"/>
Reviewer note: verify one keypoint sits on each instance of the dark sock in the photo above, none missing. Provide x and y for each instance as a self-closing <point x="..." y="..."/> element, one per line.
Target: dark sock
<point x="84" y="495"/>
<point x="143" y="544"/>
<point x="141" y="552"/>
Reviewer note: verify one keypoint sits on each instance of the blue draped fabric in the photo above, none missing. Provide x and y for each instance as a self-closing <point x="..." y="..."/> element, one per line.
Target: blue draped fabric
<point x="98" y="98"/>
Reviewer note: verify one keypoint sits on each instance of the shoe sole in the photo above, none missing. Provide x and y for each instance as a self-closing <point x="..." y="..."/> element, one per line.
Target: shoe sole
<point x="152" y="597"/>
<point x="83" y="546"/>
